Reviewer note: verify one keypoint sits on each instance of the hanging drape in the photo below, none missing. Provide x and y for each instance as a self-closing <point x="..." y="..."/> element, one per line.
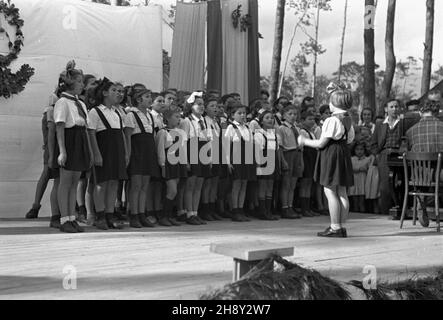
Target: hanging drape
<point x="253" y="53"/>
<point x="235" y="51"/>
<point x="215" y="46"/>
<point x="188" y="47"/>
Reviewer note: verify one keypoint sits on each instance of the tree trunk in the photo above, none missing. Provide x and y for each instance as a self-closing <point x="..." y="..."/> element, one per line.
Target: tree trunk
<point x="343" y="40"/>
<point x="314" y="71"/>
<point x="429" y="43"/>
<point x="278" y="44"/>
<point x="391" y="62"/>
<point x="369" y="50"/>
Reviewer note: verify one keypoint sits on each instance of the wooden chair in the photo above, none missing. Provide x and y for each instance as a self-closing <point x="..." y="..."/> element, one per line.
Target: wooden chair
<point x="422" y="179"/>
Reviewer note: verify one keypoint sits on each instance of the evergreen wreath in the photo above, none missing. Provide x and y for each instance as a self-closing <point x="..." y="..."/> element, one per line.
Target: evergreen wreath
<point x="12" y="83"/>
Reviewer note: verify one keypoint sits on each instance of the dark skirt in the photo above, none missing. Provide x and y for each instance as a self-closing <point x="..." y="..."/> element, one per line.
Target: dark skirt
<point x="333" y="167"/>
<point x="175" y="171"/>
<point x="294" y="159"/>
<point x="199" y="170"/>
<point x="309" y="160"/>
<point x="77" y="150"/>
<point x="111" y="145"/>
<point x="219" y="170"/>
<point x="244" y="172"/>
<point x="143" y="156"/>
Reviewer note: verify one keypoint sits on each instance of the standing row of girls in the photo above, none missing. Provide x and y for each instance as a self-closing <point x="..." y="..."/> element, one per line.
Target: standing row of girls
<point x="168" y="155"/>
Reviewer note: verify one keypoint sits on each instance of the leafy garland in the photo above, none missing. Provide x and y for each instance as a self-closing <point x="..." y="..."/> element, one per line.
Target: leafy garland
<point x="13" y="83"/>
<point x="244" y="20"/>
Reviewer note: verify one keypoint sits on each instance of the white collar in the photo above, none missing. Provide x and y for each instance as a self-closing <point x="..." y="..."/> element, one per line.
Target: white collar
<point x="393" y="125"/>
<point x="155" y="113"/>
<point x="102" y="107"/>
<point x="195" y="118"/>
<point x="289" y="124"/>
<point x="238" y="124"/>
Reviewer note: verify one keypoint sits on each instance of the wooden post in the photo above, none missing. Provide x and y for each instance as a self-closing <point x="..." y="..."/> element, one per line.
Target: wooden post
<point x="429" y="44"/>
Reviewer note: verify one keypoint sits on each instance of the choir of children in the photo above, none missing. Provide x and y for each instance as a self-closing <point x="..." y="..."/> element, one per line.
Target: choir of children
<point x="178" y="157"/>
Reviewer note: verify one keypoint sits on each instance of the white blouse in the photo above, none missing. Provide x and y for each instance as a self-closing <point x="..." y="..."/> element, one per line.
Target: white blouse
<point x="95" y="123"/>
<point x="334" y="129"/>
<point x="65" y="111"/>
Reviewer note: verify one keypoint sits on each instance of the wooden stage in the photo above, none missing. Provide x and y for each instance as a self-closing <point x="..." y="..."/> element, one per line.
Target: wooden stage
<point x="175" y="263"/>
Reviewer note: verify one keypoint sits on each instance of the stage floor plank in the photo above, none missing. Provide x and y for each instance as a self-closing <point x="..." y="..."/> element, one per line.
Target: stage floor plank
<point x="175" y="263"/>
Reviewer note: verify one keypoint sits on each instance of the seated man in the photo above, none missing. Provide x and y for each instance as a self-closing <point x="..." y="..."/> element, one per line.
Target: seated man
<point x="427" y="136"/>
<point x="386" y="141"/>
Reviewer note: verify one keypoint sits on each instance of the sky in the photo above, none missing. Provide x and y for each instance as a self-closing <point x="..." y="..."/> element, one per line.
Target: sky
<point x="409" y="32"/>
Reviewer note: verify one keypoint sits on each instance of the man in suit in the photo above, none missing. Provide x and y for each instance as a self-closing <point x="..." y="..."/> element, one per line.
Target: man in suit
<point x="387" y="141"/>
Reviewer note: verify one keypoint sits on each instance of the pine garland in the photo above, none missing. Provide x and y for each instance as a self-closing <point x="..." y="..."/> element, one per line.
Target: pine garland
<point x="13" y="83"/>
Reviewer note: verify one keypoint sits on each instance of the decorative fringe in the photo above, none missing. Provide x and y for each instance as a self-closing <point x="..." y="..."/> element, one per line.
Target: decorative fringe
<point x="278" y="279"/>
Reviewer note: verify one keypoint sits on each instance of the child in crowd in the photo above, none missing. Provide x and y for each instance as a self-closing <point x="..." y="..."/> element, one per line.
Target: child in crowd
<point x="309" y="159"/>
<point x="210" y="186"/>
<point x="154" y="200"/>
<point x="360" y="165"/>
<point x="143" y="162"/>
<point x="239" y="146"/>
<point x="74" y="149"/>
<point x="199" y="156"/>
<point x="45" y="175"/>
<point x="294" y="157"/>
<point x="110" y="153"/>
<point x="172" y="157"/>
<point x="269" y="157"/>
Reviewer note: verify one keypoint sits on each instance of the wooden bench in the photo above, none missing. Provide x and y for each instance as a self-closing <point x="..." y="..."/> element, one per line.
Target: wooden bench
<point x="246" y="255"/>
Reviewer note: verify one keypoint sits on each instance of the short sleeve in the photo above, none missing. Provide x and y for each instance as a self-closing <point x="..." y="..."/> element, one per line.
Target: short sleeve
<point x="259" y="140"/>
<point x="61" y="111"/>
<point x="93" y="120"/>
<point x="332" y="129"/>
<point x="305" y="134"/>
<point x="185" y="127"/>
<point x="229" y="133"/>
<point x="130" y="120"/>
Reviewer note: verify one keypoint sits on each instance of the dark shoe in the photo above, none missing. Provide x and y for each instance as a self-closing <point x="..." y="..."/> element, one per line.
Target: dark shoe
<point x="119" y="216"/>
<point x="101" y="223"/>
<point x="206" y="216"/>
<point x="55" y="222"/>
<point x="315" y="214"/>
<point x="82" y="214"/>
<point x="134" y="221"/>
<point x="216" y="217"/>
<point x="174" y="222"/>
<point x="77" y="226"/>
<point x="237" y="216"/>
<point x="151" y="219"/>
<point x="68" y="227"/>
<point x="145" y="222"/>
<point x="307" y="214"/>
<point x="33" y="213"/>
<point x="193" y="221"/>
<point x="423" y="218"/>
<point x="164" y="222"/>
<point x="200" y="220"/>
<point x="287" y="214"/>
<point x="329" y="233"/>
<point x="182" y="218"/>
<point x="112" y="222"/>
<point x="225" y="215"/>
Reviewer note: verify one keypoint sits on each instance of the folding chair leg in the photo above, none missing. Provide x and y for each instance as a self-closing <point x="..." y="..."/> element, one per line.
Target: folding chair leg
<point x="404" y="210"/>
<point x="414" y="222"/>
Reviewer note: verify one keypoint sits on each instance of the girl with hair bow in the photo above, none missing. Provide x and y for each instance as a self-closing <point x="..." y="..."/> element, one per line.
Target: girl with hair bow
<point x="333" y="168"/>
<point x="73" y="154"/>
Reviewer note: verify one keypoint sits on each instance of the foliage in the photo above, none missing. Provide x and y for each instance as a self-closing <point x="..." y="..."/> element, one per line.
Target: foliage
<point x="13" y="83"/>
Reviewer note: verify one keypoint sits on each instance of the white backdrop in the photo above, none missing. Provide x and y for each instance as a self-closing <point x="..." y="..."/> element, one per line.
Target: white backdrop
<point x="121" y="43"/>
